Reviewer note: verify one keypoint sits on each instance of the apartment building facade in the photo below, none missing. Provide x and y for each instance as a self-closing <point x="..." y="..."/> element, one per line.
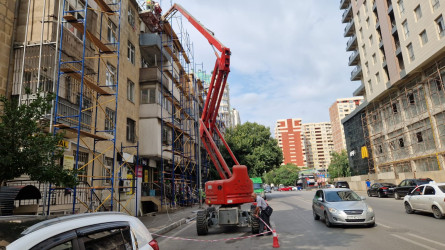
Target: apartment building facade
<point x="122" y="129"/>
<point x="318" y="144"/>
<point x="235" y="117"/>
<point x="397" y="50"/>
<point x="288" y="132"/>
<point x="339" y="110"/>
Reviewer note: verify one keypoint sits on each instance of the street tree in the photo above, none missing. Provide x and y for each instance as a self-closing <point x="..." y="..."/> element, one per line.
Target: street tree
<point x="285" y="174"/>
<point x="26" y="146"/>
<point x="339" y="166"/>
<point x="253" y="146"/>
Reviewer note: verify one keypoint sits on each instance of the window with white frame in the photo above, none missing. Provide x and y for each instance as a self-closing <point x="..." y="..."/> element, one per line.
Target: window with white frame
<point x="405" y="29"/>
<point x="131" y="51"/>
<point x="110" y="117"/>
<point x="131" y="130"/>
<point x="401" y="7"/>
<point x="130" y="91"/>
<point x="131" y="16"/>
<point x="110" y="76"/>
<point x="75" y="6"/>
<point x="410" y="50"/>
<point x="423" y="37"/>
<point x="418" y="12"/>
<point x="148" y="96"/>
<point x="440" y="26"/>
<point x="112" y="32"/>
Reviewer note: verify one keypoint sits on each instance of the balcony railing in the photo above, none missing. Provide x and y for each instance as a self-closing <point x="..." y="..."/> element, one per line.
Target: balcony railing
<point x="352" y="43"/>
<point x="347" y="15"/>
<point x="344" y="4"/>
<point x="353" y="58"/>
<point x="349" y="29"/>
<point x="356" y="73"/>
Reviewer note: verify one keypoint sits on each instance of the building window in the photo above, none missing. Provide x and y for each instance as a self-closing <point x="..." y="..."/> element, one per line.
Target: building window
<point x="148" y="96"/>
<point x="110" y="117"/>
<point x="394" y="108"/>
<point x="377" y="77"/>
<point x="411" y="99"/>
<point x="419" y="137"/>
<point x="131" y="18"/>
<point x="374" y="59"/>
<point x="364" y="50"/>
<point x="371" y="40"/>
<point x="440" y="26"/>
<point x="423" y="37"/>
<point x="418" y="12"/>
<point x="435" y="4"/>
<point x="367" y="68"/>
<point x="361" y="34"/>
<point x="112" y="32"/>
<point x="130" y="51"/>
<point x="130" y="91"/>
<point x="405" y="29"/>
<point x="131" y="132"/>
<point x="111" y="76"/>
<point x="368" y="23"/>
<point x="370" y="86"/>
<point x="401" y="7"/>
<point x="75" y="6"/>
<point x="410" y="51"/>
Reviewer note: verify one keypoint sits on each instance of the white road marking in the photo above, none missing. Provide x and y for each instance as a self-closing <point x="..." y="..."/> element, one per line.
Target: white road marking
<point x="380" y="224"/>
<point x="426" y="239"/>
<point x="412" y="242"/>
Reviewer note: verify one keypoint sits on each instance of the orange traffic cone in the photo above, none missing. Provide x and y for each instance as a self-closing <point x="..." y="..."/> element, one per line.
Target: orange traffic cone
<point x="275" y="240"/>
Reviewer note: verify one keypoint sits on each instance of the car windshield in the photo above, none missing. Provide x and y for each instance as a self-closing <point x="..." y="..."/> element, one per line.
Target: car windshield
<point x="442" y="188"/>
<point x="387" y="184"/>
<point x="342" y="196"/>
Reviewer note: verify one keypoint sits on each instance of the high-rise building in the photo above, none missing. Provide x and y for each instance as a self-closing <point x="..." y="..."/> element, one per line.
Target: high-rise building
<point x="338" y="110"/>
<point x="288" y="134"/>
<point x="317" y="139"/>
<point x="236" y="120"/>
<point x="398" y="53"/>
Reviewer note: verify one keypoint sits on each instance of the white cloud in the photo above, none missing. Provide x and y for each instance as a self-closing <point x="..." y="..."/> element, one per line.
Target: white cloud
<point x="288" y="57"/>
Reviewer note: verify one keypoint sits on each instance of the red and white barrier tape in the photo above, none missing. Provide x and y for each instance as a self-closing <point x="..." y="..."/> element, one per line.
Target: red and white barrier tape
<point x="226" y="239"/>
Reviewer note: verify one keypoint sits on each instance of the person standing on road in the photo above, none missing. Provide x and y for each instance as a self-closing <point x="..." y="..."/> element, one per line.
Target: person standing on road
<point x="368" y="183"/>
<point x="259" y="211"/>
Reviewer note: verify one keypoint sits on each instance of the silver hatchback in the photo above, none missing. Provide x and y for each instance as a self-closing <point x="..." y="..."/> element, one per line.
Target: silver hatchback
<point x="342" y="206"/>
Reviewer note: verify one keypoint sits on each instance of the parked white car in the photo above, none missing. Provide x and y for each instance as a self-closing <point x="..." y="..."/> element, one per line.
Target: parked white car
<point x="427" y="198"/>
<point x="102" y="230"/>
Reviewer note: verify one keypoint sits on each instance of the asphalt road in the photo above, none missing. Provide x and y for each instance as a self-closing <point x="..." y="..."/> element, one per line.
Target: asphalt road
<point x="296" y="228"/>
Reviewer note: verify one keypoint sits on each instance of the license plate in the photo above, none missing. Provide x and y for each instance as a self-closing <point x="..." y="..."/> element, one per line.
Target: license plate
<point x="354" y="217"/>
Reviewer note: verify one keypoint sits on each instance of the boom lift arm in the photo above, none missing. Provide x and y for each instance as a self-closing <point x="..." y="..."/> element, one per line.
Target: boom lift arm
<point x="234" y="188"/>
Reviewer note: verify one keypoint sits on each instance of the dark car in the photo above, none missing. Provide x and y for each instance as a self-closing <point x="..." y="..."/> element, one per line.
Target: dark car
<point x="341" y="184"/>
<point x="381" y="190"/>
<point x="407" y="185"/>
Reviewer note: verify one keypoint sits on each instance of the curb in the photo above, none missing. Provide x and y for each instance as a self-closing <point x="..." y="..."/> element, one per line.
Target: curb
<point x="172" y="226"/>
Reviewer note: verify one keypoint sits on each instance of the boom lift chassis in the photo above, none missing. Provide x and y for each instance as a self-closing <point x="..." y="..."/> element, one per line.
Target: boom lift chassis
<point x="226" y="196"/>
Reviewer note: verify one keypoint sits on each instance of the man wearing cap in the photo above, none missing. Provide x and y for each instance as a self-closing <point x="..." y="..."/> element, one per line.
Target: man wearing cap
<point x="259" y="211"/>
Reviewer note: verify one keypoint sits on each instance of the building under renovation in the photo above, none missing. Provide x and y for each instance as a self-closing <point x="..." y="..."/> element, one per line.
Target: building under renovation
<point x="397" y="48"/>
<point x="127" y="100"/>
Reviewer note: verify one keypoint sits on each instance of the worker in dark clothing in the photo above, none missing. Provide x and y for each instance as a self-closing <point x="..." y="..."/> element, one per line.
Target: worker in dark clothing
<point x="259" y="211"/>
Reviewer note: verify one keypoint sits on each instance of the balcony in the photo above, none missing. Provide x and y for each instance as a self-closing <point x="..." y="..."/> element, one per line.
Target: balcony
<point x="360" y="91"/>
<point x="354" y="59"/>
<point x="390" y="9"/>
<point x="351" y="45"/>
<point x="349" y="29"/>
<point x="356" y="74"/>
<point x="398" y="48"/>
<point x="393" y="27"/>
<point x="151" y="44"/>
<point x="344" y="4"/>
<point x="347" y="15"/>
<point x="152" y="74"/>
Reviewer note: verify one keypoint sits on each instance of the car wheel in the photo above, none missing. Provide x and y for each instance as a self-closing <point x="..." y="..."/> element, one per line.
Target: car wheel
<point x="369" y="194"/>
<point x="326" y="220"/>
<point x="396" y="196"/>
<point x="436" y="212"/>
<point x="380" y="195"/>
<point x="408" y="208"/>
<point x="255" y="222"/>
<point x="316" y="216"/>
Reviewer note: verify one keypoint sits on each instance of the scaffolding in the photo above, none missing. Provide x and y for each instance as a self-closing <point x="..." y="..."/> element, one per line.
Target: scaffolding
<point x="91" y="87"/>
<point x="406" y="127"/>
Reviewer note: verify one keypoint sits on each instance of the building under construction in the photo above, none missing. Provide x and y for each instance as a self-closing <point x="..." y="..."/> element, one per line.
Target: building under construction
<point x="399" y="59"/>
<point x="127" y="100"/>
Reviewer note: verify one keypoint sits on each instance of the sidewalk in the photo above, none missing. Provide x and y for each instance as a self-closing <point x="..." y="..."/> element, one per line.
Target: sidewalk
<point x="161" y="223"/>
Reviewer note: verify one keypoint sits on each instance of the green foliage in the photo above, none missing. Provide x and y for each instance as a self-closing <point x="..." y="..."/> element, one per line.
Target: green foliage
<point x="339" y="166"/>
<point x="26" y="147"/>
<point x="253" y="146"/>
<point x="285" y="174"/>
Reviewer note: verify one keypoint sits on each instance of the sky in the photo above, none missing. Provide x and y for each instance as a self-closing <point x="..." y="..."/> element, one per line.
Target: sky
<point x="288" y="56"/>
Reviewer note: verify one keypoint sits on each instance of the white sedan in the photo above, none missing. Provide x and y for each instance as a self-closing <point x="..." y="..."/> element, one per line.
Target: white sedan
<point x="427" y="198"/>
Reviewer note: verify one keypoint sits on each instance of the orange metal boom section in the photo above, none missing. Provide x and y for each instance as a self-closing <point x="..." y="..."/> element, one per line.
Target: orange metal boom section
<point x="236" y="188"/>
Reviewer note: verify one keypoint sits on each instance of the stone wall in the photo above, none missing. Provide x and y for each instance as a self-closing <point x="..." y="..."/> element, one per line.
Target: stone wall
<point x="7" y="8"/>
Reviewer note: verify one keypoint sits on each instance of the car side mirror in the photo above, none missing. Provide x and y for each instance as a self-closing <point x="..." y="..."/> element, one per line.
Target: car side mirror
<point x="319" y="199"/>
